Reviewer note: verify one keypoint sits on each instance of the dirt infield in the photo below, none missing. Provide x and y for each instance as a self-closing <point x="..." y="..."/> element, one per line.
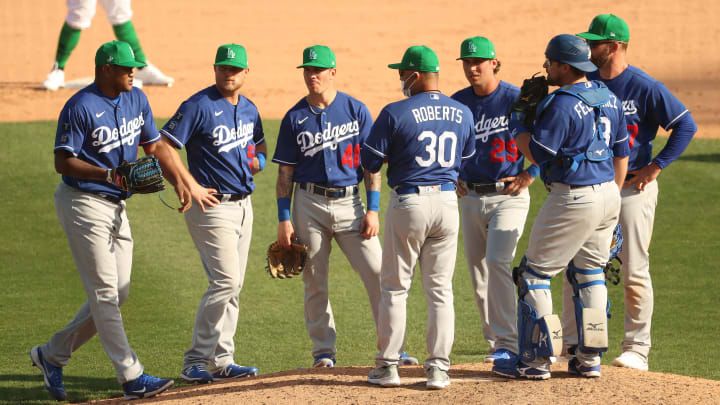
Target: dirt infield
<point x="470" y="383"/>
<point x="674" y="41"/>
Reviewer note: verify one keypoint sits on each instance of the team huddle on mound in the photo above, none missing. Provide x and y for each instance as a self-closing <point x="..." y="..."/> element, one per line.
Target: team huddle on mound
<point x="593" y="155"/>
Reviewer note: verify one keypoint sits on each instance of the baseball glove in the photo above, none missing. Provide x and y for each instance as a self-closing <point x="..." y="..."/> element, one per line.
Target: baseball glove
<point x="286" y="263"/>
<point x="612" y="273"/>
<point x="142" y="176"/>
<point x="532" y="92"/>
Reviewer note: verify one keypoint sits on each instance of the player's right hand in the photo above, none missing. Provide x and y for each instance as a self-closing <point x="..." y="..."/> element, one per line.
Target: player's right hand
<point x="286" y="233"/>
<point x="204" y="196"/>
<point x="461" y="190"/>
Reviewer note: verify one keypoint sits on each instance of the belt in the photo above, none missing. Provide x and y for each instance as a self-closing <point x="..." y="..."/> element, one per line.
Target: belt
<point x="328" y="192"/>
<point x="230" y="197"/>
<point x="400" y="190"/>
<point x="488" y="188"/>
<point x="110" y="198"/>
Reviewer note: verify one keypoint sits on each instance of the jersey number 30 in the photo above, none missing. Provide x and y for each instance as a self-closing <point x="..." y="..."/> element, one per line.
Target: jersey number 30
<point x="437" y="149"/>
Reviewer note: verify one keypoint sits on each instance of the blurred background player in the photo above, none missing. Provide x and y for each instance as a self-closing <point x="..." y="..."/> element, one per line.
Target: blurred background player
<point x="318" y="149"/>
<point x="579" y="140"/>
<point x="495" y="200"/>
<point x="423" y="139"/>
<point x="79" y="16"/>
<point x="647" y="105"/>
<point x="225" y="142"/>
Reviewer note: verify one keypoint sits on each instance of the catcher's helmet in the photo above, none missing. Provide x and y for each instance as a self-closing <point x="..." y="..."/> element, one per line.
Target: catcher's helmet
<point x="572" y="50"/>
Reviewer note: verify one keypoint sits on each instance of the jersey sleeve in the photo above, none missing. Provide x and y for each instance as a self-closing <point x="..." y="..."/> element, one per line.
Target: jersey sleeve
<point x="286" y="152"/>
<point x="469" y="129"/>
<point x="259" y="133"/>
<point x="186" y="121"/>
<point x="149" y="133"/>
<point x="374" y="150"/>
<point x="672" y="115"/>
<point x="71" y="127"/>
<point x="365" y="121"/>
<point x="620" y="141"/>
<point x="550" y="133"/>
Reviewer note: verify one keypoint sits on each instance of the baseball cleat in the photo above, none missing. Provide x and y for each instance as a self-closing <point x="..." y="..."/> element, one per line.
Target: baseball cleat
<point x="196" y="374"/>
<point x="152" y="76"/>
<point x="55" y="79"/>
<point x="408" y="360"/>
<point x="437" y="379"/>
<point x="234" y="371"/>
<point x="520" y="370"/>
<point x="146" y="386"/>
<point x="324" y="360"/>
<point x="52" y="374"/>
<point x="384" y="376"/>
<point x="577" y="368"/>
<point x="499" y="354"/>
<point x="631" y="360"/>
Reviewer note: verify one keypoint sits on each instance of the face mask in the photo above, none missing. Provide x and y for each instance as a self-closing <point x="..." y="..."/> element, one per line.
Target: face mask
<point x="406" y="88"/>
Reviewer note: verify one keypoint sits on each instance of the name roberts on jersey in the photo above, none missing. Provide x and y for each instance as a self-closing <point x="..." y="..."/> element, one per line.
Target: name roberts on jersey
<point x="436" y="113"/>
<point x="310" y="143"/>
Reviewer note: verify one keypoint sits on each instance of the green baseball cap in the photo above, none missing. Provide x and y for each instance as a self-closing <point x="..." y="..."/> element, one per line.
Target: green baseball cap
<point x="116" y="53"/>
<point x="231" y="55"/>
<point x="419" y="58"/>
<point x="607" y="27"/>
<point x="318" y="56"/>
<point x="477" y="47"/>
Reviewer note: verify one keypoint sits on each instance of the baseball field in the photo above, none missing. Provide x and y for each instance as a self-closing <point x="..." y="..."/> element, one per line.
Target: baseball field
<point x="673" y="41"/>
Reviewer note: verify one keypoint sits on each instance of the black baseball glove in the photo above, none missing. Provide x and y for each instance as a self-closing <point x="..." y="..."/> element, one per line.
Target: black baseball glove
<point x="142" y="176"/>
<point x="532" y="92"/>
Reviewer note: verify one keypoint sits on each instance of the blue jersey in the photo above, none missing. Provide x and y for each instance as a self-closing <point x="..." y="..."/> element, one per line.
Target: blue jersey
<point x="648" y="104"/>
<point x="104" y="132"/>
<point x="496" y="154"/>
<point x="565" y="128"/>
<point x="220" y="139"/>
<point x="324" y="144"/>
<point x="423" y="138"/>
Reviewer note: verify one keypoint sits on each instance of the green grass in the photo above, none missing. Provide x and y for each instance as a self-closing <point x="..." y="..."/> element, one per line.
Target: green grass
<point x="43" y="291"/>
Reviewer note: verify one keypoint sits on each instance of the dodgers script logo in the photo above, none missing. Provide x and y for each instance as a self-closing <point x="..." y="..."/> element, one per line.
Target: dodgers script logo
<point x="228" y="139"/>
<point x="109" y="139"/>
<point x="629" y="107"/>
<point x="492" y="125"/>
<point x="330" y="137"/>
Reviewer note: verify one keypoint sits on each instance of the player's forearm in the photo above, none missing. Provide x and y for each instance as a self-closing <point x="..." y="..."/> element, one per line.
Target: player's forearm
<point x="68" y="165"/>
<point x="523" y="144"/>
<point x="679" y="139"/>
<point x="620" y="164"/>
<point x="373" y="181"/>
<point x="173" y="168"/>
<point x="284" y="185"/>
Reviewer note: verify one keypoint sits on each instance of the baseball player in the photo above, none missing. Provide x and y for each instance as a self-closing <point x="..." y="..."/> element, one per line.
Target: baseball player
<point x="647" y="105"/>
<point x="226" y="146"/>
<point x="495" y="200"/>
<point x="580" y="143"/>
<point x="99" y="127"/>
<point x="423" y="139"/>
<point x="79" y="16"/>
<point x="318" y="149"/>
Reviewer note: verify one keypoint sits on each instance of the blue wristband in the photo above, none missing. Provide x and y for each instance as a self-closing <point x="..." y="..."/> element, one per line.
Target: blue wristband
<point x="373" y="201"/>
<point x="261" y="159"/>
<point x="283" y="209"/>
<point x="533" y="170"/>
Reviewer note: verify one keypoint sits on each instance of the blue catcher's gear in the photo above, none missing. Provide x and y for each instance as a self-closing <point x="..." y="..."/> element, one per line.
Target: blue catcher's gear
<point x="537" y="337"/>
<point x="612" y="273"/>
<point x="591" y="322"/>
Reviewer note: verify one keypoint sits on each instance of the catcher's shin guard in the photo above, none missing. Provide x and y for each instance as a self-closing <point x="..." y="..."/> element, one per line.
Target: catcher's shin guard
<point x="591" y="322"/>
<point x="536" y="337"/>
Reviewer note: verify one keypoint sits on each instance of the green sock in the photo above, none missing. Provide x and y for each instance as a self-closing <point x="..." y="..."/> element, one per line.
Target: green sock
<point x="69" y="38"/>
<point x="126" y="32"/>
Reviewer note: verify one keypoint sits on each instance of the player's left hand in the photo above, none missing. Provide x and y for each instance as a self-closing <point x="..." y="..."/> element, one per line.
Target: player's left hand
<point x="643" y="176"/>
<point x="370" y="224"/>
<point x="461" y="189"/>
<point x="255" y="166"/>
<point x="517" y="183"/>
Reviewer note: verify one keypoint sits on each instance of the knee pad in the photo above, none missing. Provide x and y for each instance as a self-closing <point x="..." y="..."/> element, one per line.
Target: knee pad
<point x="536" y="337"/>
<point x="591" y="322"/>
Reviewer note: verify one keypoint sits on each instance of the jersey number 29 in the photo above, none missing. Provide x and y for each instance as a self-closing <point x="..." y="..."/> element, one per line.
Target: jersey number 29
<point x="437" y="148"/>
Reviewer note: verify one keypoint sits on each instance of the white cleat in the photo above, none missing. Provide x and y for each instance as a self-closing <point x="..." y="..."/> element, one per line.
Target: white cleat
<point x="152" y="76"/>
<point x="55" y="79"/>
<point x="631" y="360"/>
